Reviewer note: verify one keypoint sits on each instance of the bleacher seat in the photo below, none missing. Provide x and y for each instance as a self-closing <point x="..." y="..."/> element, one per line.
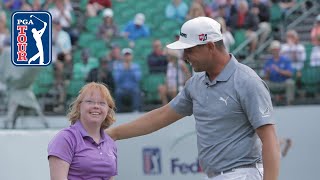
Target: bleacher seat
<point x="44" y="81"/>
<point x="150" y="85"/>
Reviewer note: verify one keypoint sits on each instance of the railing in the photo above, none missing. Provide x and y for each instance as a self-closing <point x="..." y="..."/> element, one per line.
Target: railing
<point x="286" y="25"/>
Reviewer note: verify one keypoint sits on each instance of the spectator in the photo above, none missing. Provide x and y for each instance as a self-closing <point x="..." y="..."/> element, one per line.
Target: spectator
<point x="94" y="6"/>
<point x="41" y="5"/>
<point x="102" y="74"/>
<point x="263" y="12"/>
<point x="82" y="69"/>
<point x="247" y="21"/>
<point x="214" y="6"/>
<point x="3" y="16"/>
<point x="4" y="34"/>
<point x="177" y="74"/>
<point x="62" y="78"/>
<point x="136" y="29"/>
<point x="61" y="40"/>
<point x="228" y="39"/>
<point x="295" y="52"/>
<point x="127" y="78"/>
<point x="108" y="29"/>
<point x="230" y="10"/>
<point x="157" y="60"/>
<point x="13" y="5"/>
<point x="36" y="5"/>
<point x="177" y="10"/>
<point x="287" y="4"/>
<point x="195" y="10"/>
<point x="315" y="38"/>
<point x="62" y="11"/>
<point x="114" y="57"/>
<point x="204" y="5"/>
<point x="278" y="73"/>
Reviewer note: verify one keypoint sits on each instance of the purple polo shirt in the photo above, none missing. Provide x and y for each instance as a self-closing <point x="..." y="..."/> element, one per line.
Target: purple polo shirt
<point x="88" y="160"/>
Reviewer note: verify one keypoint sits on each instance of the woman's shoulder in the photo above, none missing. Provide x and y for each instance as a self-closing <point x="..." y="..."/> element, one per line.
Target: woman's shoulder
<point x="109" y="139"/>
<point x="66" y="134"/>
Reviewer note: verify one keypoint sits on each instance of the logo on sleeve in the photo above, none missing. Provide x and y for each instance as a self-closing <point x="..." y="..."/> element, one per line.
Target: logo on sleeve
<point x="31" y="38"/>
<point x="265" y="112"/>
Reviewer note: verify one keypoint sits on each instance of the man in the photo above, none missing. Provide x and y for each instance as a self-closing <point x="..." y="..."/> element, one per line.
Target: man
<point x="127" y="77"/>
<point x="231" y="105"/>
<point x="278" y="73"/>
<point x="157" y="60"/>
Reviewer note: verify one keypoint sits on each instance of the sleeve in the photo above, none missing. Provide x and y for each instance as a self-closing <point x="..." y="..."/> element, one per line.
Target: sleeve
<point x="182" y="103"/>
<point x="256" y="102"/>
<point x="62" y="146"/>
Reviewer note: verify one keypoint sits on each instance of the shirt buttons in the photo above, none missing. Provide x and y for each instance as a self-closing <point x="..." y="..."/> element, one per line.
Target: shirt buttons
<point x="98" y="147"/>
<point x="100" y="153"/>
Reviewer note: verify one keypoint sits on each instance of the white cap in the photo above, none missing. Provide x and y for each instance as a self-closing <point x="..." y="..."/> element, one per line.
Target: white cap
<point x="197" y="31"/>
<point x="126" y="51"/>
<point x="139" y="19"/>
<point x="318" y="18"/>
<point x="107" y="12"/>
<point x="275" y="45"/>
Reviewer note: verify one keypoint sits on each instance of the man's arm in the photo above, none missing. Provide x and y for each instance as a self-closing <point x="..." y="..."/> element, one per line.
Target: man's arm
<point x="270" y="151"/>
<point x="147" y="123"/>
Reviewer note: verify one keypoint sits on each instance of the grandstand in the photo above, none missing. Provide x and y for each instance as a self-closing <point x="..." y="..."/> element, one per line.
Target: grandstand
<point x="300" y="17"/>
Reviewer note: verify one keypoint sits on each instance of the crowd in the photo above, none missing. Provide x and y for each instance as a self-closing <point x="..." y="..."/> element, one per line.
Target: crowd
<point x="117" y="67"/>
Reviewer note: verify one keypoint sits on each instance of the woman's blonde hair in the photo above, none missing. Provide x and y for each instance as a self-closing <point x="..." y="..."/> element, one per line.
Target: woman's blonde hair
<point x="74" y="110"/>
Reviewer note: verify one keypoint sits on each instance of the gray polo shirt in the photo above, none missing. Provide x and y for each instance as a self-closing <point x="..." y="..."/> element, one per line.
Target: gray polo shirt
<point x="227" y="111"/>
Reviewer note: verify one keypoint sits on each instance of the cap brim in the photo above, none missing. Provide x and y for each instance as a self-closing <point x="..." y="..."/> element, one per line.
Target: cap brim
<point x="180" y="45"/>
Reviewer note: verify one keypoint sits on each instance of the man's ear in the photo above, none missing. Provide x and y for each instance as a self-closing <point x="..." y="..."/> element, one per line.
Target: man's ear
<point x="212" y="47"/>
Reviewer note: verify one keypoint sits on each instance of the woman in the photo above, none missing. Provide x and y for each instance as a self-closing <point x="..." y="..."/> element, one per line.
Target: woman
<point x="296" y="52"/>
<point x="108" y="29"/>
<point x="83" y="150"/>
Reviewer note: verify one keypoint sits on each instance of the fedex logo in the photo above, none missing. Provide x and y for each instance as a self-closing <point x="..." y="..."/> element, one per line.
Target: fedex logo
<point x="31" y="38"/>
<point x="184" y="168"/>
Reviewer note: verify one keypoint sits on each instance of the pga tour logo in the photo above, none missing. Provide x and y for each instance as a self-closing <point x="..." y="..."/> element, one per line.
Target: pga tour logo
<point x="151" y="161"/>
<point x="31" y="38"/>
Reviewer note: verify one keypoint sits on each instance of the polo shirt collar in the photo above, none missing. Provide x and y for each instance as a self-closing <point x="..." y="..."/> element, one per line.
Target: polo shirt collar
<point x="226" y="73"/>
<point x="84" y="133"/>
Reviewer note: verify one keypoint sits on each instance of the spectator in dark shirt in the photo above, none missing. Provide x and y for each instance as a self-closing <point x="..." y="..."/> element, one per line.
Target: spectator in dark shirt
<point x="157" y="60"/>
<point x="102" y="74"/>
<point x="244" y="19"/>
<point x="263" y="12"/>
